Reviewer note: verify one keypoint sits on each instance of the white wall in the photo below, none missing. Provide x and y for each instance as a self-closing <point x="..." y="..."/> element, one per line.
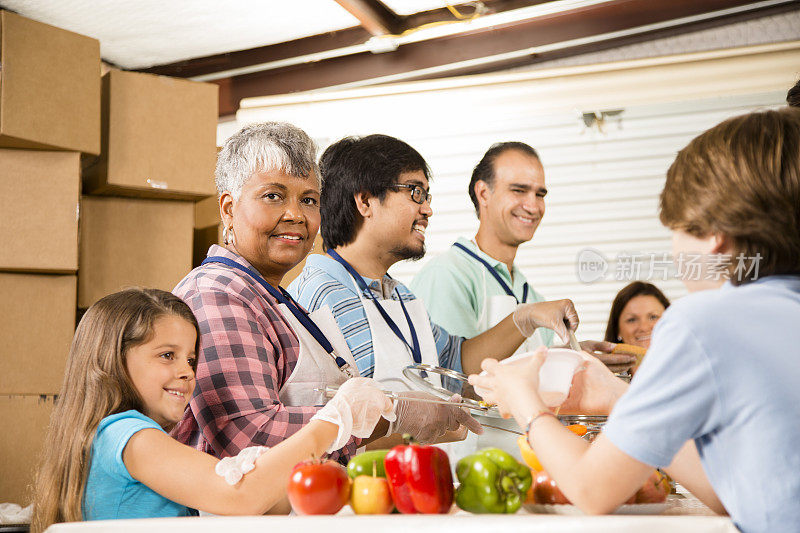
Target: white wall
<point x="603" y="186"/>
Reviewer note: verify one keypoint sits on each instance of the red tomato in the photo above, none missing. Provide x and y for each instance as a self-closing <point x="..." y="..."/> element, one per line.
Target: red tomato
<point x="318" y="487"/>
<point x="545" y="490"/>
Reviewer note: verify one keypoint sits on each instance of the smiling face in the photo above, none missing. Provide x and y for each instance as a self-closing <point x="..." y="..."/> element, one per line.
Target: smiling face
<point x="512" y="207"/>
<point x="399" y="222"/>
<point x="275" y="221"/>
<point x="161" y="369"/>
<point x="638" y="318"/>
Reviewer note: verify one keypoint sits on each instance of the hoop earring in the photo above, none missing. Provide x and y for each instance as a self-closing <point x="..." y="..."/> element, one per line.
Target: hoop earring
<point x="227" y="235"/>
<point x="619" y="339"/>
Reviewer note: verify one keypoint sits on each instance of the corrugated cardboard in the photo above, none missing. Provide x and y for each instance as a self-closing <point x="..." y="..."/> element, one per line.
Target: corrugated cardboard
<point x="293" y="273"/>
<point x="25" y="420"/>
<point x="131" y="242"/>
<point x="203" y="239"/>
<point x="206" y="212"/>
<point x="50" y="89"/>
<point x="37" y="321"/>
<point x="39" y="210"/>
<point x="158" y="137"/>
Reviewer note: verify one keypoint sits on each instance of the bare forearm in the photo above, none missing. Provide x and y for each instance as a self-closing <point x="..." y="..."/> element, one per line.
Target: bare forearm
<point x="498" y="342"/>
<point x="687" y="470"/>
<point x="596" y="478"/>
<point x="264" y="488"/>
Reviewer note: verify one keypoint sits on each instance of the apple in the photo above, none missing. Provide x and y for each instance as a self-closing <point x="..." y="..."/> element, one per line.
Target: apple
<point x="318" y="487"/>
<point x="371" y="495"/>
<point x="545" y="490"/>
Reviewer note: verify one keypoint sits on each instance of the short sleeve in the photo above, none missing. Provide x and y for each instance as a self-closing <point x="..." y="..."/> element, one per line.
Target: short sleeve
<point x="111" y="441"/>
<point x="448" y="297"/>
<point x="673" y="397"/>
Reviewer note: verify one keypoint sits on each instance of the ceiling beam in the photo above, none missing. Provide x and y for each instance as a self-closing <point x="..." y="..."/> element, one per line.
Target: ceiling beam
<point x="310" y="45"/>
<point x="413" y="59"/>
<point x="485" y="49"/>
<point x="374" y="17"/>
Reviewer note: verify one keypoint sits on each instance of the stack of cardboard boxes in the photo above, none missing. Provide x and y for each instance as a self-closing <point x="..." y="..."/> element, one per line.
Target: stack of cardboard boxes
<point x="142" y="150"/>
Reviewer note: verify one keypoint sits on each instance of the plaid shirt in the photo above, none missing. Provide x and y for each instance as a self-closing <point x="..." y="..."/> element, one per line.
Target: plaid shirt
<point x="247" y="352"/>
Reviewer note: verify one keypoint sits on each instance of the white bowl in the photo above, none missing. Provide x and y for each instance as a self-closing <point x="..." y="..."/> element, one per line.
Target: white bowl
<point x="555" y="375"/>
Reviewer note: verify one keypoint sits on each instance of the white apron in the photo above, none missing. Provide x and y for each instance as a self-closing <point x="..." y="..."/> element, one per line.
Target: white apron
<point x="391" y="355"/>
<point x="496" y="308"/>
<point x="315" y="368"/>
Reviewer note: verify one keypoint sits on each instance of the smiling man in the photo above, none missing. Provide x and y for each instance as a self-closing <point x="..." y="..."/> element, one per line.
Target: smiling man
<point x="375" y="208"/>
<point x="475" y="283"/>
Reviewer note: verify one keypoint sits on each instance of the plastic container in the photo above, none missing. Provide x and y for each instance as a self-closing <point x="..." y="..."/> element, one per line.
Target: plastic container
<point x="555" y="375"/>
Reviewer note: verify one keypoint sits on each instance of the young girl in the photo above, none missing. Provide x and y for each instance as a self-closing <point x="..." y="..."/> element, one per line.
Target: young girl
<point x="129" y="376"/>
<point x="717" y="399"/>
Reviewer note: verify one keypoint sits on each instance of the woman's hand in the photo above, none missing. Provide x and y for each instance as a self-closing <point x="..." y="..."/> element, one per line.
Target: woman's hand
<point x="513" y="387"/>
<point x="356" y="408"/>
<point x="595" y="389"/>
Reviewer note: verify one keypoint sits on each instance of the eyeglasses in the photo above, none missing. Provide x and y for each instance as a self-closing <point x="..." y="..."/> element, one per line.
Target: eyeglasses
<point x="418" y="194"/>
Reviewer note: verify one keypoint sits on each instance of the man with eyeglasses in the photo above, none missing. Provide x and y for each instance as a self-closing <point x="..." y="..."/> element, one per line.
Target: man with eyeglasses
<point x="375" y="208"/>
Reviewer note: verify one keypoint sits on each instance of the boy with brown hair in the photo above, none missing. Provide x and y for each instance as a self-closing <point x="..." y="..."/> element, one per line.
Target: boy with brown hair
<point x="716" y="403"/>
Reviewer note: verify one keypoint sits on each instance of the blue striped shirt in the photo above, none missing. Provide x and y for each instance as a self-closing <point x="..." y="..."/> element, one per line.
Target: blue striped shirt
<point x="325" y="282"/>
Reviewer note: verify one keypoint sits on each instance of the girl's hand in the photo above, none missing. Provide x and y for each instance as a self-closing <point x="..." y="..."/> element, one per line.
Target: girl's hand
<point x="513" y="387"/>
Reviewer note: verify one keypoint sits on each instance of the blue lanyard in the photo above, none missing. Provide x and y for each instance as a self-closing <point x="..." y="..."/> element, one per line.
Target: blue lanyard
<point x="416" y="353"/>
<point x="494" y="273"/>
<point x="285" y="298"/>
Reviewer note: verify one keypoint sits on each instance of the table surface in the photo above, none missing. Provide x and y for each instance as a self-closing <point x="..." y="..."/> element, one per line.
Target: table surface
<point x="685" y="515"/>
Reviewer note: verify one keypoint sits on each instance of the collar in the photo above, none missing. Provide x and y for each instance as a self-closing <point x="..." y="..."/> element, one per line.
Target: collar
<point x="496" y="263"/>
<point x="221" y="251"/>
<point x="382" y="288"/>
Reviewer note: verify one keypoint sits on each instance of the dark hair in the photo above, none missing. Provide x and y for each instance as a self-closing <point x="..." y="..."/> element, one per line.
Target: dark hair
<point x="484" y="170"/>
<point x="352" y="165"/>
<point x="628" y="293"/>
<point x="741" y="179"/>
<point x="793" y="96"/>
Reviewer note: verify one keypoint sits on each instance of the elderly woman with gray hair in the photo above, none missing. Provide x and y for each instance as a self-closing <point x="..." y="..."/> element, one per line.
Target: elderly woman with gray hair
<point x="264" y="361"/>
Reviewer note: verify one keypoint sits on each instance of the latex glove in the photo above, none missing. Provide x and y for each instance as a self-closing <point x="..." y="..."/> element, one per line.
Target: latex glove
<point x="234" y="468"/>
<point x="556" y="315"/>
<point x="428" y="421"/>
<point x="356" y="408"/>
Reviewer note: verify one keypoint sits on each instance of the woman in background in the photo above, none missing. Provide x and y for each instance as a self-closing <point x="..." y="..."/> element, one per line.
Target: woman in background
<point x="634" y="314"/>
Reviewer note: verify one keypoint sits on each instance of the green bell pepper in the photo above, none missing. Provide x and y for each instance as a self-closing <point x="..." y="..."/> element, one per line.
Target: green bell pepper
<point x="362" y="464"/>
<point x="492" y="481"/>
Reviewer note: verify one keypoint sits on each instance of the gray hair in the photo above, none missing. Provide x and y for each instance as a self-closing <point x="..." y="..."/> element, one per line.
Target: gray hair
<point x="263" y="147"/>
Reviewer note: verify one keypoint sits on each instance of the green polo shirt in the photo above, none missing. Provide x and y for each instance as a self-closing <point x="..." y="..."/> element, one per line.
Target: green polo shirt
<point x="454" y="286"/>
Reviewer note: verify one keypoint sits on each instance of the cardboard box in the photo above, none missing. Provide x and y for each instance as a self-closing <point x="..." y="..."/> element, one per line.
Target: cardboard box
<point x="128" y="242"/>
<point x="40" y="218"/>
<point x="158" y="137"/>
<point x="50" y="90"/>
<point x="25" y="420"/>
<point x="37" y="321"/>
<point x="206" y="212"/>
<point x="203" y="239"/>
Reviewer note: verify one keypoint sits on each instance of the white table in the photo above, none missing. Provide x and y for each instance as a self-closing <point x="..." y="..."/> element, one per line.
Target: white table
<point x="683" y="516"/>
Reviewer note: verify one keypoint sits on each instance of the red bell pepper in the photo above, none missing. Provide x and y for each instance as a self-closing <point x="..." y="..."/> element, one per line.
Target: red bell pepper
<point x="419" y="479"/>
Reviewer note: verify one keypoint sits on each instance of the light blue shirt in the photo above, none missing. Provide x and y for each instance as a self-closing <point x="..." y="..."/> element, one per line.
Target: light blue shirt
<point x="325" y="282"/>
<point x="724" y="369"/>
<point x="455" y="286"/>
<point x="110" y="491"/>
